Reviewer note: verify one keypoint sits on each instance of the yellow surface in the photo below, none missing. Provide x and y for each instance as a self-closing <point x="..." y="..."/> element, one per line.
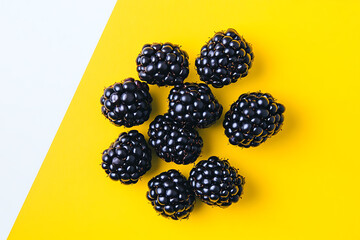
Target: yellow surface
<point x="301" y="184"/>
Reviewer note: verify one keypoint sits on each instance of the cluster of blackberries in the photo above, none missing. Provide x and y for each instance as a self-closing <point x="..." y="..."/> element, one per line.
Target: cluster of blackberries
<point x="252" y="119"/>
<point x="224" y="59"/>
<point x="174" y="143"/>
<point x="173" y="135"/>
<point x="162" y="64"/>
<point x="215" y="182"/>
<point x="194" y="105"/>
<point x="171" y="195"/>
<point x="127" y="103"/>
<point x="128" y="158"/>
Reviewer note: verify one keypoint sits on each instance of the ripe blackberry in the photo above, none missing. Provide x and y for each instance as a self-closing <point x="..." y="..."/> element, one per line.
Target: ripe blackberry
<point x="194" y="105"/>
<point x="252" y="119"/>
<point x="172" y="142"/>
<point x="224" y="59"/>
<point x="127" y="103"/>
<point x="215" y="182"/>
<point x="162" y="64"/>
<point x="128" y="158"/>
<point x="170" y="194"/>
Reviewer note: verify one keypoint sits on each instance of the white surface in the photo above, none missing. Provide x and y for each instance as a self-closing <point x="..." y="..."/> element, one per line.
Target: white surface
<point x="45" y="47"/>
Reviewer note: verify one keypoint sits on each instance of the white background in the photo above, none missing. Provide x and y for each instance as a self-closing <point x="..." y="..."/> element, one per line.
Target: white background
<point x="45" y="47"/>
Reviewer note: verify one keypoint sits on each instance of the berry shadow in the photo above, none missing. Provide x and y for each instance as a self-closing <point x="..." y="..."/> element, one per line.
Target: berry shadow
<point x="207" y="134"/>
<point x="199" y="206"/>
<point x="155" y="164"/>
<point x="250" y="194"/>
<point x="258" y="70"/>
<point x="159" y="105"/>
<point x="292" y="129"/>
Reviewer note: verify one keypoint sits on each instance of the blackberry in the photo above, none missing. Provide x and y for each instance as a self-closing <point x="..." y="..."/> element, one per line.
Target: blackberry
<point x="170" y="194"/>
<point x="174" y="143"/>
<point x="194" y="105"/>
<point x="162" y="64"/>
<point x="127" y="103"/>
<point x="215" y="182"/>
<point x="224" y="59"/>
<point x="252" y="119"/>
<point x="128" y="158"/>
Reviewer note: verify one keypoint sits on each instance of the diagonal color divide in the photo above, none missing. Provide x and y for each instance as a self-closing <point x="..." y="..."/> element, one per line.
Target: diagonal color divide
<point x="37" y="39"/>
<point x="299" y="184"/>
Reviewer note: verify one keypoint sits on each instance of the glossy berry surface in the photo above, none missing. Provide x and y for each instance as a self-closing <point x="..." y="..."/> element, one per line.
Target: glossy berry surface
<point x="194" y="105"/>
<point x="174" y="143"/>
<point x="162" y="64"/>
<point x="128" y="158"/>
<point x="215" y="182"/>
<point x="252" y="119"/>
<point x="171" y="195"/>
<point x="127" y="104"/>
<point x="224" y="59"/>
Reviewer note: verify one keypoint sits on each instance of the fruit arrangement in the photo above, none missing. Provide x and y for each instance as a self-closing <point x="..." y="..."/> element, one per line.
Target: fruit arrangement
<point x="252" y="119"/>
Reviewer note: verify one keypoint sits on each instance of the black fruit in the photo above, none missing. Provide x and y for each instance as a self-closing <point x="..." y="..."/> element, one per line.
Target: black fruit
<point x="127" y="103"/>
<point x="194" y="105"/>
<point x="252" y="119"/>
<point x="215" y="182"/>
<point x="172" y="142"/>
<point x="162" y="64"/>
<point x="128" y="158"/>
<point x="224" y="59"/>
<point x="170" y="194"/>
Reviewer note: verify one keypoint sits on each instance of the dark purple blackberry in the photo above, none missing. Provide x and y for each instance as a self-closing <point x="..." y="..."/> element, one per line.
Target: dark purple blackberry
<point x="127" y="103"/>
<point x="128" y="158"/>
<point x="224" y="59"/>
<point x="194" y="105"/>
<point x="215" y="182"/>
<point x="162" y="64"/>
<point x="170" y="194"/>
<point x="252" y="119"/>
<point x="172" y="142"/>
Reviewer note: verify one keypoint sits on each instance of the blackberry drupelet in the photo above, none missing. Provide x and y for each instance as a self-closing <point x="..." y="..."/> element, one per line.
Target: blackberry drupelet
<point x="252" y="119"/>
<point x="224" y="59"/>
<point x="172" y="142"/>
<point x="171" y="195"/>
<point x="127" y="103"/>
<point x="162" y="64"/>
<point x="215" y="182"/>
<point x="128" y="158"/>
<point x="194" y="105"/>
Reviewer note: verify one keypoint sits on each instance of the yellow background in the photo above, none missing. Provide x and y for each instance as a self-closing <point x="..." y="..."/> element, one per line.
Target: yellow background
<point x="301" y="184"/>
